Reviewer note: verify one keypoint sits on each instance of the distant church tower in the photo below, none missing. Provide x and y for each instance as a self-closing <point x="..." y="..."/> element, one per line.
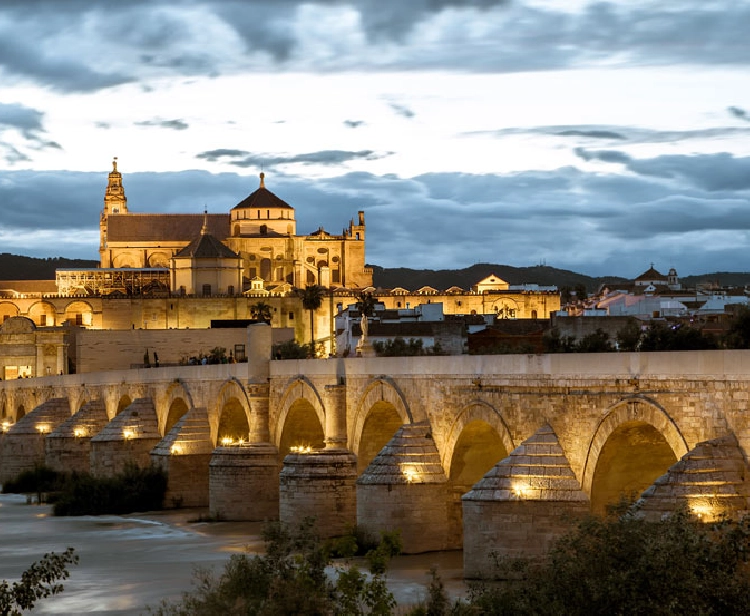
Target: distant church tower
<point x="115" y="202"/>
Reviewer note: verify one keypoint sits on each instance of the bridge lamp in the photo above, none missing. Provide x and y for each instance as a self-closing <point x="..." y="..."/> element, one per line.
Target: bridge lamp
<point x="703" y="510"/>
<point x="410" y="474"/>
<point x="128" y="433"/>
<point x="5" y="426"/>
<point x="42" y="428"/>
<point x="300" y="449"/>
<point x="521" y="489"/>
<point x="79" y="432"/>
<point x="226" y="441"/>
<point x="175" y="450"/>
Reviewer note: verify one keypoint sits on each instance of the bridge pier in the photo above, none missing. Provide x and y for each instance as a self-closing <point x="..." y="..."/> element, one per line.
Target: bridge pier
<point x="244" y="482"/>
<point x="404" y="488"/>
<point x="521" y="506"/>
<point x="22" y="446"/>
<point x="128" y="438"/>
<point x="320" y="485"/>
<point x="68" y="448"/>
<point x="184" y="454"/>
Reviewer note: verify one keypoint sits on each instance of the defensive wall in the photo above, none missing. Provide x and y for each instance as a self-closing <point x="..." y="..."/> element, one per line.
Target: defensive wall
<point x="580" y="429"/>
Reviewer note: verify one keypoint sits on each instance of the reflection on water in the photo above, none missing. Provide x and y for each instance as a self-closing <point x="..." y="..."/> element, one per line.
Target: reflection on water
<point x="128" y="562"/>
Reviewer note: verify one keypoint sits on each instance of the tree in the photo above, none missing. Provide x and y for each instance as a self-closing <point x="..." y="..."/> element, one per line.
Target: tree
<point x="625" y="565"/>
<point x="312" y="299"/>
<point x="629" y="336"/>
<point x="677" y="337"/>
<point x="598" y="342"/>
<point x="290" y="578"/>
<point x="39" y="581"/>
<point x="738" y="335"/>
<point x="261" y="311"/>
<point x="581" y="292"/>
<point x="366" y="304"/>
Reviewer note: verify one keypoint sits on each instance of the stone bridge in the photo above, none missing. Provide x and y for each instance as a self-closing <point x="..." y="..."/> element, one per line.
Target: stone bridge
<point x="400" y="442"/>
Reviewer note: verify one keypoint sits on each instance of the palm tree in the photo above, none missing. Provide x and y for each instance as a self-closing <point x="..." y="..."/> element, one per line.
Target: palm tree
<point x="312" y="299"/>
<point x="261" y="311"/>
<point x="366" y="304"/>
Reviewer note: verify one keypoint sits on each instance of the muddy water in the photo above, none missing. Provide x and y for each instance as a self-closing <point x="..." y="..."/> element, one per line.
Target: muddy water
<point x="128" y="562"/>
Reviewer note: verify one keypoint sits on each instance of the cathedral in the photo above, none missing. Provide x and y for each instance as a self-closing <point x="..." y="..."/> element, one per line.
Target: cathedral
<point x="254" y="246"/>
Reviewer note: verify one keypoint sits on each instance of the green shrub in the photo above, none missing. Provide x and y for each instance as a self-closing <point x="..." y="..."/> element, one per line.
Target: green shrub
<point x="40" y="479"/>
<point x="135" y="489"/>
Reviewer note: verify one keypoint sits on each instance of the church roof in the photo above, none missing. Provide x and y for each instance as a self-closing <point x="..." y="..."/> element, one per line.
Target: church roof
<point x="206" y="246"/>
<point x="163" y="227"/>
<point x="651" y="274"/>
<point x="262" y="199"/>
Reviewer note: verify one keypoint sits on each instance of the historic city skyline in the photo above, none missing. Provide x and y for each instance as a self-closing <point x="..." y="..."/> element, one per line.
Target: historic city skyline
<point x="597" y="138"/>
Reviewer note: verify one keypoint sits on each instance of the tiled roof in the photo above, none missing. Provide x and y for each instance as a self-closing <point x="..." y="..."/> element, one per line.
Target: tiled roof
<point x="651" y="274"/>
<point x="206" y="247"/>
<point x="262" y="199"/>
<point x="164" y="227"/>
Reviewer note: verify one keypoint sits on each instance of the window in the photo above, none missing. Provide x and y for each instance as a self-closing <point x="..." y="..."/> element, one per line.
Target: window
<point x="291" y="316"/>
<point x="239" y="352"/>
<point x="533" y="314"/>
<point x="43" y="320"/>
<point x="206" y="290"/>
<point x="79" y="319"/>
<point x="230" y="289"/>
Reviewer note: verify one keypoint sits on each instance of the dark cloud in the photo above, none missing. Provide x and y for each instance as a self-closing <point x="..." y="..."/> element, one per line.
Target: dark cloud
<point x="79" y="46"/>
<point x="171" y="124"/>
<point x="709" y="172"/>
<point x="353" y="123"/>
<point x="739" y="113"/>
<point x="239" y="158"/>
<point x="592" y="134"/>
<point x="606" y="156"/>
<point x="402" y="110"/>
<point x="28" y="123"/>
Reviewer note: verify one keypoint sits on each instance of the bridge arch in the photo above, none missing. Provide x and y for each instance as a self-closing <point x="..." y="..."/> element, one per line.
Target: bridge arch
<point x="177" y="402"/>
<point x="231" y="418"/>
<point x="381" y="411"/>
<point x="473" y="416"/>
<point x="638" y="421"/>
<point x="301" y="416"/>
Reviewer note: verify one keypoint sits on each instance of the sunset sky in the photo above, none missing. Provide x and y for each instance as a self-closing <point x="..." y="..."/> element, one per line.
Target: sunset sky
<point x="593" y="136"/>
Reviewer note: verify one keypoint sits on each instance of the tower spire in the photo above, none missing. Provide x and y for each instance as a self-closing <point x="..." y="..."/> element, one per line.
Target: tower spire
<point x="204" y="228"/>
<point x="262" y="180"/>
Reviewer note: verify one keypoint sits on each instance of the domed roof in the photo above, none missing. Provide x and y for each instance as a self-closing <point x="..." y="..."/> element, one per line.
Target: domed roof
<point x="262" y="199"/>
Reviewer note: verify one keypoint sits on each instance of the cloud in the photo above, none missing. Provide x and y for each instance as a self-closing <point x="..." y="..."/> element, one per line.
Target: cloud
<point x="592" y="134"/>
<point x="171" y="124"/>
<point x="21" y="130"/>
<point x="606" y="156"/>
<point x="739" y="113"/>
<point x="402" y="110"/>
<point x="353" y="123"/>
<point x="240" y="158"/>
<point x="78" y="46"/>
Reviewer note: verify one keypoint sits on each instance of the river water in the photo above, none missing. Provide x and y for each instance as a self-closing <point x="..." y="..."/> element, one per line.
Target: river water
<point x="129" y="562"/>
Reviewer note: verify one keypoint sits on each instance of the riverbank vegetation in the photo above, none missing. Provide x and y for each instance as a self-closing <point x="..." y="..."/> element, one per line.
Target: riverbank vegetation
<point x="135" y="489"/>
<point x="39" y="581"/>
<point x="618" y="565"/>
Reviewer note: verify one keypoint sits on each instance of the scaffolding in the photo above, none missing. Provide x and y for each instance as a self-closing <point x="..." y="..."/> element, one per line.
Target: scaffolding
<point x="112" y="281"/>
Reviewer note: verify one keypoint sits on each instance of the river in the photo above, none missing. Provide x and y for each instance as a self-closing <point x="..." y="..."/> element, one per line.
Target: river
<point x="129" y="562"/>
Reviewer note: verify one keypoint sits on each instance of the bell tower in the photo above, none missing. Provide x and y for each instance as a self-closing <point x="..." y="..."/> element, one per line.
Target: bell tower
<point x="115" y="202"/>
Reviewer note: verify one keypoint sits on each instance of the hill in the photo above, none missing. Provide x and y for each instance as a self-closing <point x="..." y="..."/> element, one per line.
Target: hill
<point x="16" y="267"/>
<point x="443" y="279"/>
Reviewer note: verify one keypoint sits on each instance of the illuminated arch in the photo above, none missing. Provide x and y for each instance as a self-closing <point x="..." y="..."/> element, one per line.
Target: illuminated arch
<point x="40" y="309"/>
<point x="82" y="308"/>
<point x="476" y="410"/>
<point x="7" y="310"/>
<point x="176" y="393"/>
<point x="632" y="409"/>
<point x="231" y="389"/>
<point x="298" y="388"/>
<point x="159" y="259"/>
<point x="380" y="389"/>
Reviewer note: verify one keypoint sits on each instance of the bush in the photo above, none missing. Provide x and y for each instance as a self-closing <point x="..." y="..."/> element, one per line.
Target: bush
<point x="40" y="479"/>
<point x="135" y="489"/>
<point x="290" y="578"/>
<point x="625" y="565"/>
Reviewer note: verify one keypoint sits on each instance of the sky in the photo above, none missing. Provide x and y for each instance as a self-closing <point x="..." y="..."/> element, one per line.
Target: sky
<point x="599" y="137"/>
